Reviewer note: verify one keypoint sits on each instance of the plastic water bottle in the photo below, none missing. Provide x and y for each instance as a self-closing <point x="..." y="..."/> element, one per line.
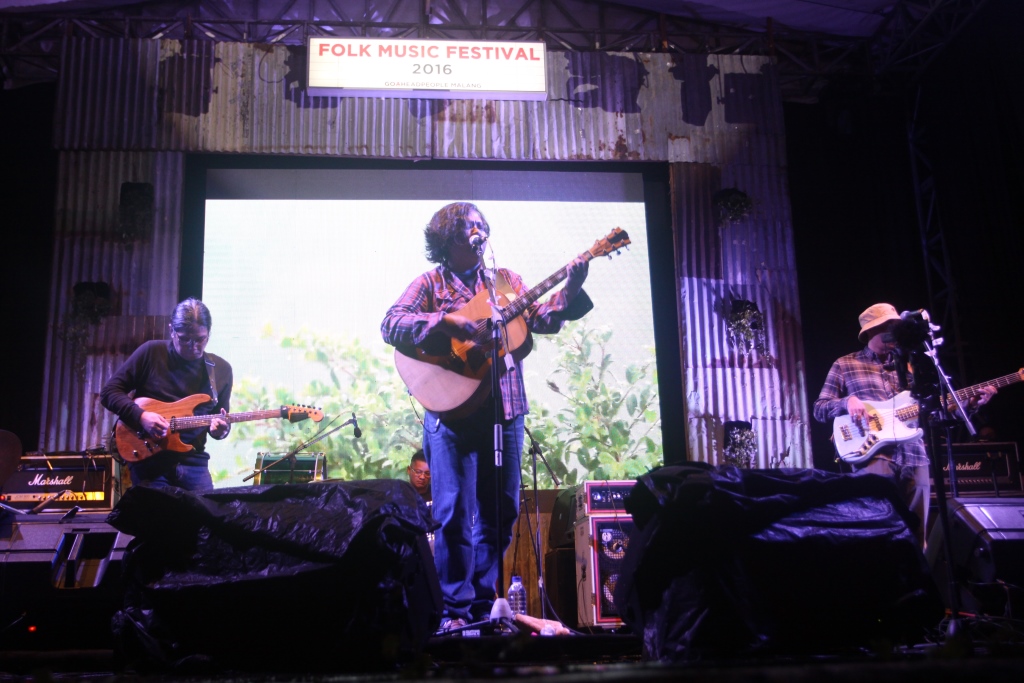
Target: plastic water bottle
<point x="517" y="596"/>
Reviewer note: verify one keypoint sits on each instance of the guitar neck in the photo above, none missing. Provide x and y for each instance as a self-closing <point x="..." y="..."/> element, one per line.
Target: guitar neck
<point x="179" y="424"/>
<point x="999" y="382"/>
<point x="516" y="308"/>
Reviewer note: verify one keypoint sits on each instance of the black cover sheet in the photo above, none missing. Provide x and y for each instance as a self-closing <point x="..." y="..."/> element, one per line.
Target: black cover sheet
<point x="327" y="575"/>
<point x="734" y="563"/>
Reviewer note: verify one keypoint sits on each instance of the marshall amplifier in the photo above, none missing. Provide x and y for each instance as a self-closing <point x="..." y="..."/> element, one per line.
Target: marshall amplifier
<point x="983" y="469"/>
<point x="57" y="483"/>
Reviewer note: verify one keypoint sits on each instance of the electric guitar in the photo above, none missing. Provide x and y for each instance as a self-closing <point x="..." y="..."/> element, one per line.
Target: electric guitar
<point x="893" y="421"/>
<point x="457" y="383"/>
<point x="133" y="445"/>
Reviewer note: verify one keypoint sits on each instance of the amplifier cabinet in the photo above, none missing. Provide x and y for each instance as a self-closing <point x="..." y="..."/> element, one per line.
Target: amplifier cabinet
<point x="60" y="581"/>
<point x="91" y="481"/>
<point x="601" y="543"/>
<point x="602" y="497"/>
<point x="983" y="469"/>
<point x="306" y="467"/>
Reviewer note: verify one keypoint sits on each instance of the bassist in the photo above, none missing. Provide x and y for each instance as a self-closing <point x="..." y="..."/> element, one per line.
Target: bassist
<point x="168" y="371"/>
<point x="871" y="375"/>
<point x="460" y="448"/>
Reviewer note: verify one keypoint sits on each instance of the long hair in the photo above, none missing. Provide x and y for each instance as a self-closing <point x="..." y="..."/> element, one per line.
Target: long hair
<point x="191" y="313"/>
<point x="447" y="227"/>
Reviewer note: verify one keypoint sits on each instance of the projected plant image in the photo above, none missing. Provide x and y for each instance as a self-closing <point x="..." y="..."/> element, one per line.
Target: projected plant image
<point x="299" y="281"/>
<point x="599" y="421"/>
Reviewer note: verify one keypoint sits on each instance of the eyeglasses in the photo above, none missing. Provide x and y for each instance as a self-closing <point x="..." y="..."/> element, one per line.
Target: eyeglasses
<point x="479" y="225"/>
<point x="191" y="341"/>
<point x="421" y="473"/>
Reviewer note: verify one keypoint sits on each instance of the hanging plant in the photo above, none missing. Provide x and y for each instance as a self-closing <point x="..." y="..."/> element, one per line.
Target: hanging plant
<point x="747" y="330"/>
<point x="732" y="205"/>
<point x="90" y="303"/>
<point x="740" y="447"/>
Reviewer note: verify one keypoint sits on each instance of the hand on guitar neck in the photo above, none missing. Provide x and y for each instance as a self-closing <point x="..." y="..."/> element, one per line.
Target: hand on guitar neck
<point x="578" y="270"/>
<point x="858" y="411"/>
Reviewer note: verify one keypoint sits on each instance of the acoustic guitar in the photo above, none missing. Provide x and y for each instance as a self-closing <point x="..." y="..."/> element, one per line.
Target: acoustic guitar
<point x="457" y="383"/>
<point x="133" y="445"/>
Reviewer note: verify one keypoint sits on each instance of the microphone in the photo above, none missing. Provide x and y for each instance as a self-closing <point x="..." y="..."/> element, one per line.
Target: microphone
<point x="356" y="431"/>
<point x="919" y="314"/>
<point x="477" y="242"/>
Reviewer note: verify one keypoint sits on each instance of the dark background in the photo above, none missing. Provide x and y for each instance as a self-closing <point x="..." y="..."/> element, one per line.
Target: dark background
<point x="854" y="220"/>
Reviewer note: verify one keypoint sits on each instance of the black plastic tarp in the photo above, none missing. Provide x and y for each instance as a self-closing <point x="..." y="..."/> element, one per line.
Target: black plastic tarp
<point x="334" y="575"/>
<point x="731" y="563"/>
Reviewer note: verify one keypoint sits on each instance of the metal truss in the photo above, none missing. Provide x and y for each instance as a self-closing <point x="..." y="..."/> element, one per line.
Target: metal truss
<point x="942" y="292"/>
<point x="30" y="43"/>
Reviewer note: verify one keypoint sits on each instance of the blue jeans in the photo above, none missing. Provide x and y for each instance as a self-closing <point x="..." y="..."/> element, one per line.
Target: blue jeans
<point x="191" y="473"/>
<point x="470" y="544"/>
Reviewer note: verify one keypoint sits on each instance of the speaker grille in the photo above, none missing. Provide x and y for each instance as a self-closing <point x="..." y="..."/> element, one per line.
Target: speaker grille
<point x="601" y="544"/>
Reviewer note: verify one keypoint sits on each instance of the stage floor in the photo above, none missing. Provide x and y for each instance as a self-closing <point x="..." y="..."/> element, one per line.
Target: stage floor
<point x="597" y="658"/>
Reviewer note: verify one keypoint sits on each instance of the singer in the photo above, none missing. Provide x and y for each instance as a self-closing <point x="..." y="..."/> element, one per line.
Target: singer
<point x="871" y="375"/>
<point x="460" y="451"/>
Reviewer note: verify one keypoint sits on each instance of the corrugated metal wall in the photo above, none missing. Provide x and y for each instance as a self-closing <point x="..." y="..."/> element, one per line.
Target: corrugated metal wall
<point x="129" y="110"/>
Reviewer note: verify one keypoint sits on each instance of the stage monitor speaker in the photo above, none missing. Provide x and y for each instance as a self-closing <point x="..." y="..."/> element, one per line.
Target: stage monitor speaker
<point x="60" y="582"/>
<point x="986" y="538"/>
<point x="601" y="542"/>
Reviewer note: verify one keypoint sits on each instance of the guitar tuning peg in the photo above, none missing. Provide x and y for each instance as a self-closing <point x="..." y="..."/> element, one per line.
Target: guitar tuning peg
<point x="938" y="342"/>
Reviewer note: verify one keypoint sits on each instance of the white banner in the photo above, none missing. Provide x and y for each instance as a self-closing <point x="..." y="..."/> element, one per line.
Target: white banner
<point x="430" y="69"/>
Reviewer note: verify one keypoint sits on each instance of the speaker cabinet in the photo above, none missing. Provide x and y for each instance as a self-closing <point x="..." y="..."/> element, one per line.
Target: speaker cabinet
<point x="601" y="542"/>
<point x="560" y="582"/>
<point x="986" y="542"/>
<point x="60" y="582"/>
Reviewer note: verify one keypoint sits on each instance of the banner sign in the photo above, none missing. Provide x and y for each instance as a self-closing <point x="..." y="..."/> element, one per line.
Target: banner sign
<point x="428" y="69"/>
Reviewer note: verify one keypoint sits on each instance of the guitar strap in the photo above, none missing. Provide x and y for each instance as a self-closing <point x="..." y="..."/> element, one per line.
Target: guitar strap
<point x="211" y="368"/>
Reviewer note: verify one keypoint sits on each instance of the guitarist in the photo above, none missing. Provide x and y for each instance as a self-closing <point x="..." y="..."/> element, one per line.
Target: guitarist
<point x="169" y="371"/>
<point x="870" y="375"/>
<point x="460" y="451"/>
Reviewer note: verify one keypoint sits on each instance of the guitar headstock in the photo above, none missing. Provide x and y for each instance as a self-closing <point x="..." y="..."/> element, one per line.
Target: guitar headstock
<point x="612" y="242"/>
<point x="300" y="413"/>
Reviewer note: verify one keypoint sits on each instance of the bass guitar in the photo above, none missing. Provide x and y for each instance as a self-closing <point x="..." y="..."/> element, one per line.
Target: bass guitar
<point x="133" y="445"/>
<point x="456" y="383"/>
<point x="893" y="421"/>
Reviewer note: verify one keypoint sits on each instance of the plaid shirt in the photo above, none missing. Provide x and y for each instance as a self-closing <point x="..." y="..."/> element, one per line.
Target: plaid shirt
<point x="862" y="374"/>
<point x="413" y="320"/>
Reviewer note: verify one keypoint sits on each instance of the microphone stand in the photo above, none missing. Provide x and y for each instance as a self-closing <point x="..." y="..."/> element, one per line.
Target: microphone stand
<point x="501" y="612"/>
<point x="535" y="451"/>
<point x="931" y="403"/>
<point x="290" y="456"/>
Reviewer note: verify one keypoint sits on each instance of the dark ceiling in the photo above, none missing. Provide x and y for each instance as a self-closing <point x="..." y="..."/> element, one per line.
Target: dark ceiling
<point x="812" y="40"/>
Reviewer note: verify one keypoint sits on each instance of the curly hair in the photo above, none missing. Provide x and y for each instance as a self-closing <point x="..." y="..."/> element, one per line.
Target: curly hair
<point x="448" y="227"/>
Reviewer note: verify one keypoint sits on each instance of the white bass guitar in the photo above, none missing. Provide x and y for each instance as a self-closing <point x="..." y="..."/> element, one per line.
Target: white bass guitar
<point x="893" y="421"/>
